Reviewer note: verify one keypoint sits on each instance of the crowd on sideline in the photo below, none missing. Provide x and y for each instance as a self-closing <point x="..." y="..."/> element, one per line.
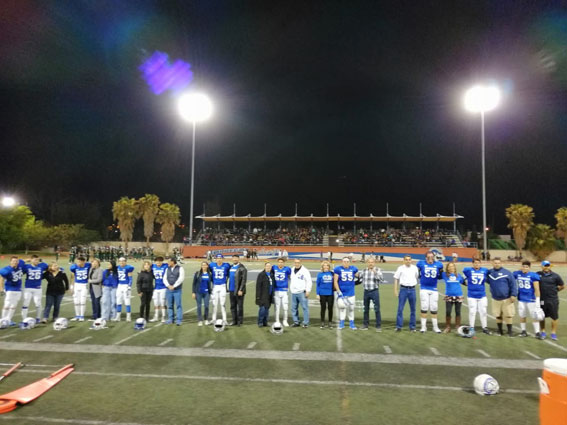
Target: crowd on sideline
<point x="107" y="253"/>
<point x="256" y="236"/>
<point x="415" y="237"/>
<point x="534" y="294"/>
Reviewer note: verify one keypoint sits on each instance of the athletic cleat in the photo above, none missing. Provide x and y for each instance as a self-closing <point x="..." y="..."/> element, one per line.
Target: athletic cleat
<point x="155" y="319"/>
<point x="74" y="319"/>
<point x="207" y="322"/>
<point x="352" y="326"/>
<point x="542" y="335"/>
<point x="554" y="337"/>
<point x="341" y="325"/>
<point x="437" y="330"/>
<point x="523" y="334"/>
<point x="538" y="336"/>
<point x="423" y="330"/>
<point x="486" y="331"/>
<point x="285" y="323"/>
<point x="81" y="319"/>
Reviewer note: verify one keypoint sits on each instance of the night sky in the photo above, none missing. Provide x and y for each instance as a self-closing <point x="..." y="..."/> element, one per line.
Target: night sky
<point x="315" y="102"/>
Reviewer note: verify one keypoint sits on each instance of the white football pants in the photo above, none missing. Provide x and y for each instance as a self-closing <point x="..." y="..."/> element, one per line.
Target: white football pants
<point x="429" y="300"/>
<point x="479" y="305"/>
<point x="11" y="300"/>
<point x="123" y="297"/>
<point x="281" y="300"/>
<point x="28" y="294"/>
<point x="80" y="298"/>
<point x="349" y="301"/>
<point x="219" y="297"/>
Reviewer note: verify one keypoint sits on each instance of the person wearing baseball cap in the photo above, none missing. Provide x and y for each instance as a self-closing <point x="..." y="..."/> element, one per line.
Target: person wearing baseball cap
<point x="550" y="284"/>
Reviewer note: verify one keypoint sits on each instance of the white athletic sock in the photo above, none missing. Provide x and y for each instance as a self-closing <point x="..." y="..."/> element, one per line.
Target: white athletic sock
<point x="523" y="326"/>
<point x="423" y="323"/>
<point x="24" y="313"/>
<point x="536" y="326"/>
<point x="434" y="322"/>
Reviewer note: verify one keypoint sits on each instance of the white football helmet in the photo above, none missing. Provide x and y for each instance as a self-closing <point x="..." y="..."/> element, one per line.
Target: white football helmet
<point x="28" y="323"/>
<point x="277" y="328"/>
<point x="140" y="324"/>
<point x="219" y="325"/>
<point x="486" y="385"/>
<point x="466" y="331"/>
<point x="4" y="323"/>
<point x="60" y="324"/>
<point x="98" y="324"/>
<point x="538" y="314"/>
<point x="341" y="302"/>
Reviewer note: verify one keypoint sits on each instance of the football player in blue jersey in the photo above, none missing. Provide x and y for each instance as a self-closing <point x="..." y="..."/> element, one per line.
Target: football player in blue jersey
<point x="80" y="276"/>
<point x="124" y="290"/>
<point x="344" y="281"/>
<point x="32" y="288"/>
<point x="528" y="296"/>
<point x="11" y="284"/>
<point x="429" y="273"/>
<point x="220" y="271"/>
<point x="158" y="269"/>
<point x="281" y="275"/>
<point x="475" y="278"/>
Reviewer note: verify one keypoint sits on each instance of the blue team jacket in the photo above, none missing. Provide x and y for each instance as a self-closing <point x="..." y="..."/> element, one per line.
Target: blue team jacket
<point x="502" y="284"/>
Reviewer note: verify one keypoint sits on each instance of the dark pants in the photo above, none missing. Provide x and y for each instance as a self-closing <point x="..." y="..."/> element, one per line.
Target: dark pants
<point x="449" y="307"/>
<point x="95" y="302"/>
<point x="52" y="301"/>
<point x="236" y="307"/>
<point x="326" y="301"/>
<point x="374" y="296"/>
<point x="145" y="303"/>
<point x="263" y="314"/>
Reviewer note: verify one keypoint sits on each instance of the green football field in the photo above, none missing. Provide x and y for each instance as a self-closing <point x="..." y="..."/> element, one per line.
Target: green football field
<point x="192" y="375"/>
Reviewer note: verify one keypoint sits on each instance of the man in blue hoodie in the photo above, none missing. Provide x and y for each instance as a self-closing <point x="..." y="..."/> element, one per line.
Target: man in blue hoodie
<point x="504" y="292"/>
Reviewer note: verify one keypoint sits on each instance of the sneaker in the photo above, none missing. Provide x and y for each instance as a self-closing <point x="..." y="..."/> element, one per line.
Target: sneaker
<point x="538" y="335"/>
<point x="423" y="330"/>
<point x="295" y="325"/>
<point x="178" y="323"/>
<point x="398" y="330"/>
<point x="305" y="325"/>
<point x="330" y="326"/>
<point x="233" y="324"/>
<point x="542" y="335"/>
<point x="413" y="330"/>
<point x="81" y="319"/>
<point x="364" y="328"/>
<point x="163" y="320"/>
<point x="510" y="334"/>
<point x="155" y="319"/>
<point x="322" y="325"/>
<point x="43" y="320"/>
<point x="74" y="319"/>
<point x="168" y="322"/>
<point x="285" y="323"/>
<point x="200" y="323"/>
<point x="352" y="326"/>
<point x="486" y="331"/>
<point x="500" y="333"/>
<point x="341" y="325"/>
<point x="523" y="334"/>
<point x="554" y="337"/>
<point x="207" y="322"/>
<point x="437" y="330"/>
<point x="378" y="330"/>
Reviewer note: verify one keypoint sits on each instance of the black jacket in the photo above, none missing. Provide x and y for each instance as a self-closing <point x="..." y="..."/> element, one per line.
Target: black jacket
<point x="56" y="284"/>
<point x="264" y="289"/>
<point x="240" y="278"/>
<point x="145" y="282"/>
<point x="197" y="282"/>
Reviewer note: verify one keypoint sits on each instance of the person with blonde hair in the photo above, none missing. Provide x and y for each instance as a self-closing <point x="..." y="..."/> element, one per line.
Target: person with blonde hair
<point x="324" y="291"/>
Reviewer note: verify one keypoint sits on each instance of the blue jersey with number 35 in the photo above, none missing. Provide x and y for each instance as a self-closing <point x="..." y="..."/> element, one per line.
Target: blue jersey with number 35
<point x="525" y="281"/>
<point x="346" y="279"/>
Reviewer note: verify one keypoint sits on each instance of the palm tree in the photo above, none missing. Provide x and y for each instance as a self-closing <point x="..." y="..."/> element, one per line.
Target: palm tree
<point x="521" y="219"/>
<point x="168" y="216"/>
<point x="148" y="207"/>
<point x="124" y="211"/>
<point x="561" y="217"/>
<point x="541" y="240"/>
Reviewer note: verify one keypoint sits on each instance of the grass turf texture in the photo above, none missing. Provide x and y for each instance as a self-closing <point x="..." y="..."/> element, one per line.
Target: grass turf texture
<point x="179" y="381"/>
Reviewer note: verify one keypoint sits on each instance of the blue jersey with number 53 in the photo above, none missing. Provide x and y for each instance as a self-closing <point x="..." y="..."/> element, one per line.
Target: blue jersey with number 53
<point x="346" y="279"/>
<point x="525" y="281"/>
<point x="475" y="281"/>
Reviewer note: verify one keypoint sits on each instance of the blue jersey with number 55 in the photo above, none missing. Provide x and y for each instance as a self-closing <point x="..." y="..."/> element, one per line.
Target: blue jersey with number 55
<point x="346" y="279"/>
<point x="525" y="281"/>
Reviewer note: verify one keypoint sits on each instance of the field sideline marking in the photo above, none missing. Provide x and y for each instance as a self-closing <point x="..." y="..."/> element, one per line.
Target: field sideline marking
<point x="387" y="349"/>
<point x="484" y="353"/>
<point x="435" y="351"/>
<point x="167" y="341"/>
<point x="8" y="336"/>
<point x="43" y="338"/>
<point x="295" y="346"/>
<point x="275" y="355"/>
<point x="281" y="381"/>
<point x="535" y="356"/>
<point x="209" y="343"/>
<point x="251" y="345"/>
<point x="82" y="339"/>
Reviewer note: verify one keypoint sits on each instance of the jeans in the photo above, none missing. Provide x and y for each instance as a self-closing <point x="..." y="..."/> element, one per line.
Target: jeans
<point x="95" y="302"/>
<point x="55" y="301"/>
<point x="236" y="307"/>
<point x="263" y="315"/>
<point x="297" y="299"/>
<point x="202" y="298"/>
<point x="174" y="297"/>
<point x="374" y="296"/>
<point x="108" y="302"/>
<point x="406" y="294"/>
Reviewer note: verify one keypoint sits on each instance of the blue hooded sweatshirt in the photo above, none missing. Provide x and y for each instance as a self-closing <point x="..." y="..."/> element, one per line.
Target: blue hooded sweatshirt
<point x="502" y="284"/>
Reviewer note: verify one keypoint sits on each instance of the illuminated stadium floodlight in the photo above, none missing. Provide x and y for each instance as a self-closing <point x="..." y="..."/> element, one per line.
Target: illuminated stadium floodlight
<point x="194" y="107"/>
<point x="482" y="99"/>
<point x="8" y="202"/>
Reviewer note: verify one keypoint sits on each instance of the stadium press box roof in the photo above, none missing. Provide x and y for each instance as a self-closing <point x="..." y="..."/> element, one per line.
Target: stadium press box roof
<point x="313" y="218"/>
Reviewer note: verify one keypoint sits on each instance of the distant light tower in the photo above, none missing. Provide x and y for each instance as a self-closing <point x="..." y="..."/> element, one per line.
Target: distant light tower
<point x="482" y="99"/>
<point x="8" y="201"/>
<point x="194" y="108"/>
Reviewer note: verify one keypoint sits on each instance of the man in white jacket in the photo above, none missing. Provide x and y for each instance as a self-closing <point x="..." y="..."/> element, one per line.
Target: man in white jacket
<point x="300" y="286"/>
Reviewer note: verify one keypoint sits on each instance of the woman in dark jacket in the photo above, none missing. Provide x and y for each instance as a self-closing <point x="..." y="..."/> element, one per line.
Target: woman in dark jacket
<point x="145" y="286"/>
<point x="57" y="285"/>
<point x="264" y="294"/>
<point x="202" y="288"/>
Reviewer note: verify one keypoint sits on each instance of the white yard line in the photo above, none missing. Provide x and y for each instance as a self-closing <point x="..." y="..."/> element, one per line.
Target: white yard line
<point x="208" y="343"/>
<point x="283" y="381"/>
<point x="274" y="355"/>
<point x="251" y="345"/>
<point x="7" y="336"/>
<point x="295" y="346"/>
<point x="339" y="340"/>
<point x="167" y="341"/>
<point x="435" y="351"/>
<point x="532" y="355"/>
<point x="43" y="338"/>
<point x="484" y="353"/>
<point x="42" y="419"/>
<point x="387" y="349"/>
<point x="82" y="340"/>
<point x="138" y="333"/>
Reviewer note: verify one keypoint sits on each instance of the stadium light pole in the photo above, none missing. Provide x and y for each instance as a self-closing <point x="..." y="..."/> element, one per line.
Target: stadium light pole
<point x="482" y="99"/>
<point x="194" y="108"/>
